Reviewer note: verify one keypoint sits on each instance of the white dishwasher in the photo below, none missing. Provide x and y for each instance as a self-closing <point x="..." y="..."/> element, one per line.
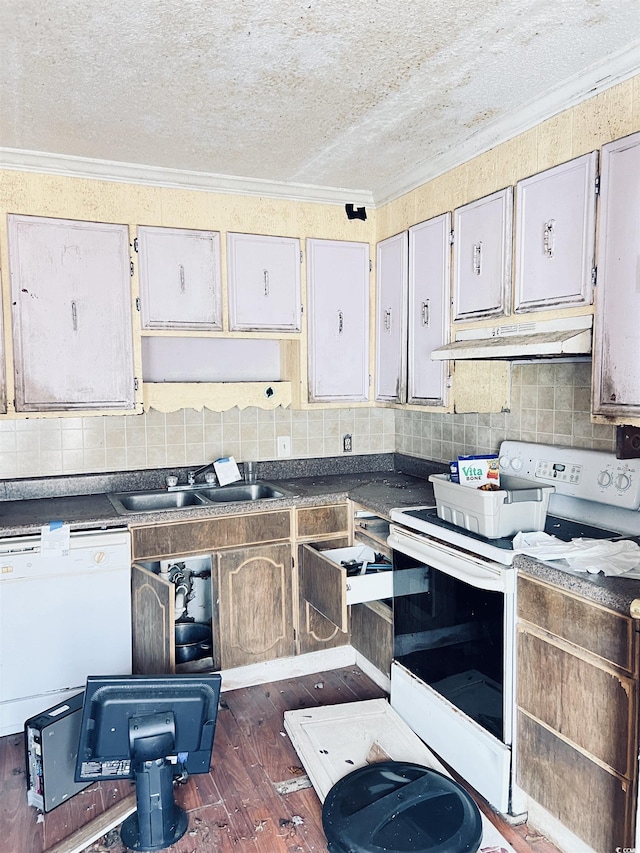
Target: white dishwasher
<point x="61" y="618"/>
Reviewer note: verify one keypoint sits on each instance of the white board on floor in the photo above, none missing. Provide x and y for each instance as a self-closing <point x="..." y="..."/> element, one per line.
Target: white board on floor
<point x="334" y="740"/>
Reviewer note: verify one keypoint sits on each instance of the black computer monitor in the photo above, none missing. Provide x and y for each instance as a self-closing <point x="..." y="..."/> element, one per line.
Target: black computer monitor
<point x="151" y="729"/>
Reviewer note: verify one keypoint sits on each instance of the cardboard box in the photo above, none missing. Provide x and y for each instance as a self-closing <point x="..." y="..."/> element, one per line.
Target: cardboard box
<point x="476" y="471"/>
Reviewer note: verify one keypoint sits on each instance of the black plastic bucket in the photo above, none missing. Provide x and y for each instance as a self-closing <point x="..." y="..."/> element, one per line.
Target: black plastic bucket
<point x="398" y="807"/>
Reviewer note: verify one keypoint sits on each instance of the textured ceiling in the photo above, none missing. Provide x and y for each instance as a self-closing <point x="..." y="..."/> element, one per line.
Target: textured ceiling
<point x="372" y="97"/>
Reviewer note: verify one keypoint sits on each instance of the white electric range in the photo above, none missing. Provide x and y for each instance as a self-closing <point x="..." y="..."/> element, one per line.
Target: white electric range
<point x="453" y="675"/>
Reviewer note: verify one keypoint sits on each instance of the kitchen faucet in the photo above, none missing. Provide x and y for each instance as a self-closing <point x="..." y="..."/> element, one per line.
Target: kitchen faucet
<point x="191" y="475"/>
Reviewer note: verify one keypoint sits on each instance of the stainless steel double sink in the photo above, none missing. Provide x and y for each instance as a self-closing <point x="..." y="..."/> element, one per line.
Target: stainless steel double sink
<point x="156" y="500"/>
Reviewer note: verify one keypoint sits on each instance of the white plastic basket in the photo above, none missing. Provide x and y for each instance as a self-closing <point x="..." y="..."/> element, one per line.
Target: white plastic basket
<point x="520" y="507"/>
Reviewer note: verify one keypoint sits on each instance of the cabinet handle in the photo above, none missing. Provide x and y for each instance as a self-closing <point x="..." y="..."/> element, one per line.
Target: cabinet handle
<point x="477" y="257"/>
<point x="549" y="237"/>
<point x="425" y="313"/>
<point x="387" y="320"/>
<point x="74" y="316"/>
<point x="340" y="322"/>
<point x="183" y="285"/>
<point x="266" y="282"/>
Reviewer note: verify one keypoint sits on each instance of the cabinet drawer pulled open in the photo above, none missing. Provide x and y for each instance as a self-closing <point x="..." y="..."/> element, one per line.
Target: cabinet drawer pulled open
<point x="330" y="588"/>
<point x="327" y="585"/>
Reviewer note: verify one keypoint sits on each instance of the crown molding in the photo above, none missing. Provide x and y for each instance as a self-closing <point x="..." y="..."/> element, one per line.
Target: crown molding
<point x="616" y="69"/>
<point x="43" y="162"/>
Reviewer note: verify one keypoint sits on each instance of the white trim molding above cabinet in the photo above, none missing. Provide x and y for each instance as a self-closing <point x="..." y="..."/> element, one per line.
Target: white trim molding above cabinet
<point x="616" y="365"/>
<point x="482" y="252"/>
<point x="555" y="236"/>
<point x="263" y="275"/>
<point x="179" y="278"/>
<point x="412" y="313"/>
<point x="72" y="318"/>
<point x="338" y="325"/>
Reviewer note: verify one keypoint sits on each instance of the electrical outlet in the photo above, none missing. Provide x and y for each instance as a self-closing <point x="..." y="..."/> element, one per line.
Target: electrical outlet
<point x="628" y="442"/>
<point x="284" y="446"/>
<point x="347" y="443"/>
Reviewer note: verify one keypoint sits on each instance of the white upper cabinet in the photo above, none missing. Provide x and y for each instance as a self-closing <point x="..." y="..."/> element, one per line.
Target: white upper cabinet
<point x="338" y="296"/>
<point x="413" y="313"/>
<point x="391" y="319"/>
<point x="3" y="376"/>
<point x="72" y="326"/>
<point x="482" y="257"/>
<point x="429" y="289"/>
<point x="616" y="364"/>
<point x="555" y="236"/>
<point x="179" y="278"/>
<point x="264" y="283"/>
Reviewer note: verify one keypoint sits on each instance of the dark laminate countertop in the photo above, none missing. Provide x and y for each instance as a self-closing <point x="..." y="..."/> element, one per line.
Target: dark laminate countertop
<point x="405" y="484"/>
<point x="614" y="592"/>
<point x="396" y="481"/>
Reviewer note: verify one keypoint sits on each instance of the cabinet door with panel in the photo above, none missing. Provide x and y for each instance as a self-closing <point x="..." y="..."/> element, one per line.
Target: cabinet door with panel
<point x="577" y="716"/>
<point x="315" y="631"/>
<point x="71" y="297"/>
<point x="555" y="236"/>
<point x="179" y="279"/>
<point x="3" y="377"/>
<point x="372" y="633"/>
<point x="264" y="283"/>
<point x="256" y="577"/>
<point x="391" y="314"/>
<point x="326" y="584"/>
<point x="338" y="279"/>
<point x="616" y="367"/>
<point x="429" y="311"/>
<point x="255" y="607"/>
<point x="330" y="526"/>
<point x="482" y="257"/>
<point x="152" y="623"/>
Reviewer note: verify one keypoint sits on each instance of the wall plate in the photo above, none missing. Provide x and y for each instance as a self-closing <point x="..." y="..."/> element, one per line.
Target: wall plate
<point x="628" y="442"/>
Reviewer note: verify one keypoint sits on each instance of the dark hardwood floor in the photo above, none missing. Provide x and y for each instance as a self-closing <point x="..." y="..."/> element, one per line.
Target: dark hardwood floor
<point x="236" y="806"/>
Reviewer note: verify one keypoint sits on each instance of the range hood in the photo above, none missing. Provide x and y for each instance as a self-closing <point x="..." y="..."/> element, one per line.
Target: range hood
<point x="566" y="337"/>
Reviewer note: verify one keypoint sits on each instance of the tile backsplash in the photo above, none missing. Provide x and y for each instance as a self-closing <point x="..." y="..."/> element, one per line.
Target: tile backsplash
<point x="50" y="446"/>
<point x="549" y="404"/>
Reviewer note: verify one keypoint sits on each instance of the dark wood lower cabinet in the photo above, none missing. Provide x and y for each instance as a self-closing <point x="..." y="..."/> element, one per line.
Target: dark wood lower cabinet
<point x="372" y="633"/>
<point x="591" y="801"/>
<point x="153" y="623"/>
<point x="255" y="611"/>
<point x="315" y="631"/>
<point x="577" y="720"/>
<point x="263" y="607"/>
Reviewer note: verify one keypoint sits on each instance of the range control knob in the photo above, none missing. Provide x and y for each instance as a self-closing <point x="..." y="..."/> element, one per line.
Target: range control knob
<point x="604" y="479"/>
<point x="516" y="463"/>
<point x="623" y="481"/>
<point x="505" y="461"/>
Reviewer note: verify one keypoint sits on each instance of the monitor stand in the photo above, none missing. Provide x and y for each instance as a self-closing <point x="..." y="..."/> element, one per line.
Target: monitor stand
<point x="157" y="822"/>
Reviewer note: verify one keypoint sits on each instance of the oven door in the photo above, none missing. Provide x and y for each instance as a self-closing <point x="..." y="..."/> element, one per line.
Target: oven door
<point x="457" y="637"/>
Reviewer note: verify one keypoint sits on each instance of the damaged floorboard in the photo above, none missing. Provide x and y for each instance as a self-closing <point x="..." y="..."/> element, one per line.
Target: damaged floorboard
<point x="256" y="798"/>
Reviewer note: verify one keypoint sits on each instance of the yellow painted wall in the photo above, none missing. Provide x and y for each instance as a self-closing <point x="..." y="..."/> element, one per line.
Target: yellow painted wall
<point x="576" y="131"/>
<point x="134" y="204"/>
<point x="29" y="447"/>
<point x="587" y="127"/>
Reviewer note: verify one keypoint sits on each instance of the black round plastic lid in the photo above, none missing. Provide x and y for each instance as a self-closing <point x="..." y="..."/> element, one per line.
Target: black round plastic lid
<point x="399" y="807"/>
